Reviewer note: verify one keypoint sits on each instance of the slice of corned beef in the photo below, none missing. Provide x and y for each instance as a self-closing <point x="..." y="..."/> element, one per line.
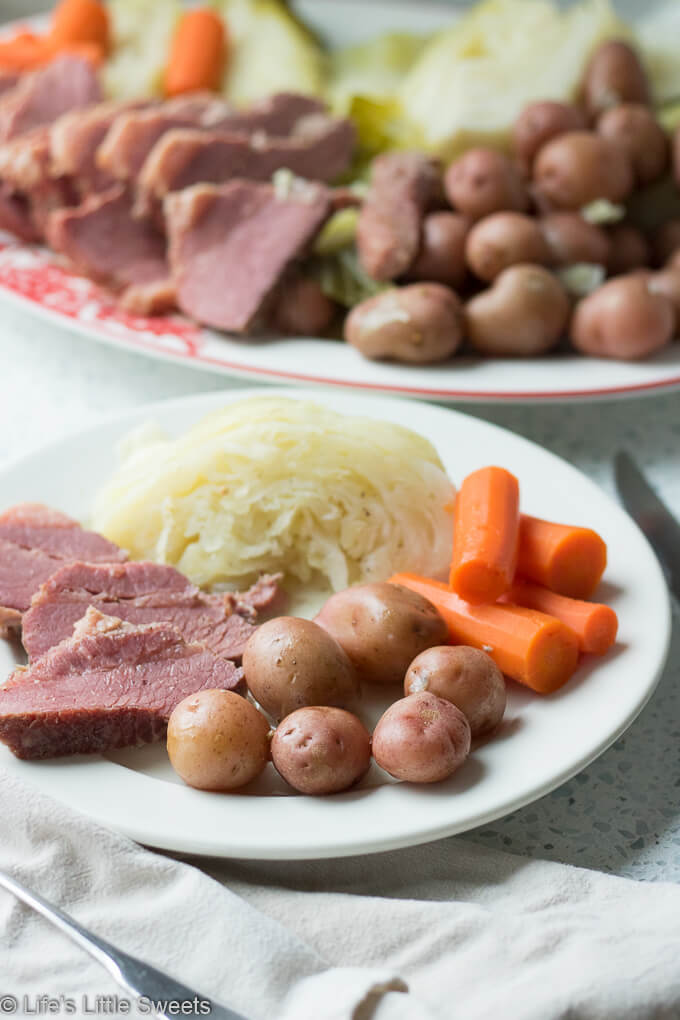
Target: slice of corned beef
<point x="319" y="148"/>
<point x="15" y="215"/>
<point x="275" y="115"/>
<point x="403" y="186"/>
<point x="141" y="592"/>
<point x="8" y="79"/>
<point x="104" y="241"/>
<point x="34" y="542"/>
<point x="229" y="245"/>
<point x="67" y="83"/>
<point x="75" y="137"/>
<point x="110" y="684"/>
<point x="27" y="175"/>
<point x="132" y="135"/>
<point x="35" y="526"/>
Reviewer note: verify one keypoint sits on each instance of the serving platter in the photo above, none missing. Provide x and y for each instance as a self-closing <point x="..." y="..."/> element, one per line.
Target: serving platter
<point x="36" y="279"/>
<point x="543" y="741"/>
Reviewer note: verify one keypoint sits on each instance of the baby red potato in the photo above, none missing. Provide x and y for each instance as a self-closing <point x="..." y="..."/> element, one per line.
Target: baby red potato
<point x="421" y="739"/>
<point x="483" y="181"/>
<point x="320" y="750"/>
<point x="467" y="677"/>
<point x="623" y="319"/>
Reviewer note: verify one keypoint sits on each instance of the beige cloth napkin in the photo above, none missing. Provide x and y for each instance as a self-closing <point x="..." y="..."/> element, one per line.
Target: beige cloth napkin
<point x="441" y="931"/>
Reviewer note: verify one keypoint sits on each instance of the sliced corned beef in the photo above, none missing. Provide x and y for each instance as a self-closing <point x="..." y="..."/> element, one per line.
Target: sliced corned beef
<point x="403" y="186"/>
<point x="153" y="298"/>
<point x="132" y="135"/>
<point x="75" y="137"/>
<point x="319" y="148"/>
<point x="35" y="526"/>
<point x="109" y="684"/>
<point x="141" y="592"/>
<point x="67" y="83"/>
<point x="15" y="215"/>
<point x="27" y="176"/>
<point x="105" y="242"/>
<point x="275" y="115"/>
<point x="8" y="79"/>
<point x="34" y="542"/>
<point x="230" y="244"/>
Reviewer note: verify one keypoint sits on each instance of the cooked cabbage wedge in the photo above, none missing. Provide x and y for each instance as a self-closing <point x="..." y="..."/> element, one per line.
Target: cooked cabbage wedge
<point x="142" y="32"/>
<point x="270" y="51"/>
<point x="372" y="69"/>
<point x="274" y="484"/>
<point x="473" y="79"/>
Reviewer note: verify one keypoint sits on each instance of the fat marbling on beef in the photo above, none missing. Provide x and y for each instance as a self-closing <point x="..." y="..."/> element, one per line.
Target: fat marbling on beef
<point x="403" y="186"/>
<point x="39" y="97"/>
<point x="110" y="684"/>
<point x="103" y="240"/>
<point x="34" y="542"/>
<point x="230" y="244"/>
<point x="142" y="592"/>
<point x="318" y="147"/>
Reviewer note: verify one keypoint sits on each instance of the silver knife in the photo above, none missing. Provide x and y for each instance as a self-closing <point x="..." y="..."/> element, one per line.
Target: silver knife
<point x="141" y="979"/>
<point x="651" y="515"/>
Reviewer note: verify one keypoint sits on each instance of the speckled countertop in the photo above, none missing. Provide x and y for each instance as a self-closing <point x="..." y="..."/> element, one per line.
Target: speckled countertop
<point x="622" y="814"/>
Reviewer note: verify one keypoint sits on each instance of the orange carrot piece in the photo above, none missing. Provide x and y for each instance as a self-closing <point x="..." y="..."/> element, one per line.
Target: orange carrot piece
<point x="79" y="21"/>
<point x="535" y="649"/>
<point x="485" y="535"/>
<point x="197" y="53"/>
<point x="595" y="625"/>
<point x="567" y="559"/>
<point x="24" y="52"/>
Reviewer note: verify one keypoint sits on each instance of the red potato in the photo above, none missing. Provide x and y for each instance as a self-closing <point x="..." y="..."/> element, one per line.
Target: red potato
<point x="421" y="739"/>
<point x="541" y="121"/>
<point x="419" y="324"/>
<point x="614" y="75"/>
<point x="622" y="319"/>
<point x="302" y="308"/>
<point x="504" y="239"/>
<point x="571" y="239"/>
<point x="321" y="750"/>
<point x="217" y="740"/>
<point x="290" y="663"/>
<point x="523" y="314"/>
<point x="667" y="282"/>
<point x="467" y="677"/>
<point x="579" y="167"/>
<point x="635" y="128"/>
<point x="441" y="258"/>
<point x="483" y="181"/>
<point x="382" y="628"/>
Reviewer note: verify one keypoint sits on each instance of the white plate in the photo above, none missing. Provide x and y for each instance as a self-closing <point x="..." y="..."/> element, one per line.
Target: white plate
<point x="35" y="278"/>
<point x="543" y="741"/>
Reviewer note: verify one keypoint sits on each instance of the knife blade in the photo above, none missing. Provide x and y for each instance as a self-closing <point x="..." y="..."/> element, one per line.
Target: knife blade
<point x="652" y="516"/>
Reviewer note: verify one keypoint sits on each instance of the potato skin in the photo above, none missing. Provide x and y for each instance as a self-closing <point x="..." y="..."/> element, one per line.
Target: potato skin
<point x="578" y="167"/>
<point x="635" y="128"/>
<point x="572" y="239"/>
<point x="302" y="308"/>
<point x="467" y="677"/>
<point x="538" y="123"/>
<point x="320" y="750"/>
<point x="614" y="75"/>
<point x="441" y="258"/>
<point x="217" y="740"/>
<point x="382" y="627"/>
<point x="524" y="313"/>
<point x="483" y="181"/>
<point x="622" y="319"/>
<point x="504" y="239"/>
<point x="421" y="739"/>
<point x="290" y="663"/>
<point x="417" y="324"/>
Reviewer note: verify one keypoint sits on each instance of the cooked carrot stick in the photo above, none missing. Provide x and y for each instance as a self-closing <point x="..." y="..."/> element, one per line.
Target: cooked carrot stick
<point x="197" y="53"/>
<point x="532" y="648"/>
<point x="594" y="624"/>
<point x="24" y="52"/>
<point x="485" y="535"/>
<point x="562" y="557"/>
<point x="79" y="21"/>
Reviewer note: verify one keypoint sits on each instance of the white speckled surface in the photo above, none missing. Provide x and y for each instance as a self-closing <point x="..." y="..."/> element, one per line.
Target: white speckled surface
<point x="622" y="814"/>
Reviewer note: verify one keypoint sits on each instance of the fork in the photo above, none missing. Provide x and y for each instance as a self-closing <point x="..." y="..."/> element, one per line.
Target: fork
<point x="135" y="976"/>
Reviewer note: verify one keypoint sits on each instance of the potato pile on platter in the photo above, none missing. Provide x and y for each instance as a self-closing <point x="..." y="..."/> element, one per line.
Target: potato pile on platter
<point x="524" y="250"/>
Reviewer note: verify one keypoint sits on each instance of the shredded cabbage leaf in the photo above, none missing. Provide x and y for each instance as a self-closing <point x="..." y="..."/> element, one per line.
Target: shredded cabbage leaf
<point x="273" y="484"/>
